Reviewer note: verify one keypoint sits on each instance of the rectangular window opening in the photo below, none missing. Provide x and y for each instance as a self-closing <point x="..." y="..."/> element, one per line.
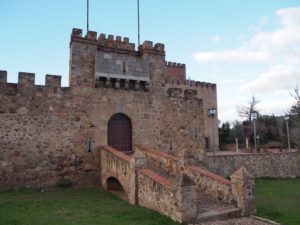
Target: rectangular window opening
<point x="89" y="147"/>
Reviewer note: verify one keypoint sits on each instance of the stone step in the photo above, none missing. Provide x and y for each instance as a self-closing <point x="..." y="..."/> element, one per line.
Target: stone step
<point x="222" y="214"/>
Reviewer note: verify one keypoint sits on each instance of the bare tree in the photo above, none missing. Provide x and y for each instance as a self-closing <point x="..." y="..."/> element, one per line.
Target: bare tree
<point x="246" y="111"/>
<point x="296" y="93"/>
<point x="295" y="109"/>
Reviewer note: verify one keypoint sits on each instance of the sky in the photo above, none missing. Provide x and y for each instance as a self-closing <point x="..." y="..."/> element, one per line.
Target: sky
<point x="246" y="47"/>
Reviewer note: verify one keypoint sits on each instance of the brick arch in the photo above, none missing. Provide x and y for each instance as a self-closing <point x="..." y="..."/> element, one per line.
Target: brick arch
<point x="115" y="186"/>
<point x="123" y="183"/>
<point x="119" y="132"/>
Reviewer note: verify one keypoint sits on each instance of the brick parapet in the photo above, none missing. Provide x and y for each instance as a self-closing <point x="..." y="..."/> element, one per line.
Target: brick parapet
<point x="159" y="159"/>
<point x="209" y="174"/>
<point x="157" y="178"/>
<point x="116" y="153"/>
<point x="117" y="44"/>
<point x="156" y="152"/>
<point x="211" y="183"/>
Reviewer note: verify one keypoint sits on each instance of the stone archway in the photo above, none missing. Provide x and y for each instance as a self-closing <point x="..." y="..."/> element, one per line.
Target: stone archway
<point x="119" y="132"/>
<point x="115" y="187"/>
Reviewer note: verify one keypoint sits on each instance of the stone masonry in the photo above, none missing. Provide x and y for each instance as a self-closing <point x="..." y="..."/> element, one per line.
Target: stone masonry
<point x="49" y="132"/>
<point x="129" y="121"/>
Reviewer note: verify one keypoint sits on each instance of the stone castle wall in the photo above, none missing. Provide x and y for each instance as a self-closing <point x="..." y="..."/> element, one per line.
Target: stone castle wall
<point x="208" y="93"/>
<point x="259" y="165"/>
<point x="45" y="130"/>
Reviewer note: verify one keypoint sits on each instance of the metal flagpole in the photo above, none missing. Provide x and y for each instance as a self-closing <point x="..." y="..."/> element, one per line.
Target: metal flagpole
<point x="138" y="8"/>
<point x="87" y="15"/>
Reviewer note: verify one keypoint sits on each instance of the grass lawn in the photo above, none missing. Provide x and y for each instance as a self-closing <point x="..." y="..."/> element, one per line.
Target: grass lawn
<point x="73" y="206"/>
<point x="279" y="200"/>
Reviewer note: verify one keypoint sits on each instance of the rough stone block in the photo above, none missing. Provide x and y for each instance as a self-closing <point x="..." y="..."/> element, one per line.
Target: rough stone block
<point x="53" y="80"/>
<point x="3" y="77"/>
<point x="27" y="79"/>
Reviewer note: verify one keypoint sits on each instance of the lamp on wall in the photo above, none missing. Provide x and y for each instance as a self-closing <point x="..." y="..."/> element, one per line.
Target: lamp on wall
<point x="254" y="115"/>
<point x="211" y="113"/>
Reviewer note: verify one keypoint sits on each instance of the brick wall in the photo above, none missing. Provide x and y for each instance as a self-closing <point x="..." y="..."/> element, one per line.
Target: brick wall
<point x="175" y="71"/>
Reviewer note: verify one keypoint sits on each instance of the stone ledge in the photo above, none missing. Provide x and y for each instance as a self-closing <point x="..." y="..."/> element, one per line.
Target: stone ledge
<point x="163" y="181"/>
<point x="210" y="175"/>
<point x="116" y="152"/>
<point x="157" y="152"/>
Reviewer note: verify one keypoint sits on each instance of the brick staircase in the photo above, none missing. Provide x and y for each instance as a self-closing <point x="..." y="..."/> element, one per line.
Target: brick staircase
<point x="209" y="208"/>
<point x="176" y="188"/>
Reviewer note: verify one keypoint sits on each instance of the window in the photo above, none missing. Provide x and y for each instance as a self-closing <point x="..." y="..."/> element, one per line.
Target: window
<point x="89" y="147"/>
<point x="124" y="67"/>
<point x="170" y="145"/>
<point x="206" y="142"/>
<point x="197" y="132"/>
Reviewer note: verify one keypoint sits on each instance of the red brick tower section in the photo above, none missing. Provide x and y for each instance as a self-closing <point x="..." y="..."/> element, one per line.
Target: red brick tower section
<point x="175" y="71"/>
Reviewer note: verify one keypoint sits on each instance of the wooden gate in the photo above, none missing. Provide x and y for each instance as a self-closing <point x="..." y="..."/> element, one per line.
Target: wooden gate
<point x="119" y="132"/>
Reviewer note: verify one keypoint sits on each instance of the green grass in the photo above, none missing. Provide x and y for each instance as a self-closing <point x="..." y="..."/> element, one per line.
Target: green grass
<point x="279" y="200"/>
<point x="73" y="206"/>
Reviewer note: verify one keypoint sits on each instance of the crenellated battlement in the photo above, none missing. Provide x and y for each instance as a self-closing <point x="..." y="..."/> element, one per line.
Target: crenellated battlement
<point x="3" y="77"/>
<point x="175" y="71"/>
<point x="175" y="65"/>
<point x="28" y="79"/>
<point x="116" y="44"/>
<point x="191" y="83"/>
<point x="187" y="94"/>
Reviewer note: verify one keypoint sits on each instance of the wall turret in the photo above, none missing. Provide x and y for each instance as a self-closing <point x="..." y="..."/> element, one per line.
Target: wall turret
<point x="175" y="71"/>
<point x="111" y="62"/>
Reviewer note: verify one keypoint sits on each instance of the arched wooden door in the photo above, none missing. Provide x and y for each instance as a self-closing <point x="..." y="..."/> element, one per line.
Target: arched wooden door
<point x="119" y="132"/>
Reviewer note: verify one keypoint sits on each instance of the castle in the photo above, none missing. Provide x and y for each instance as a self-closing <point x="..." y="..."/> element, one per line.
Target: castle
<point x="129" y="121"/>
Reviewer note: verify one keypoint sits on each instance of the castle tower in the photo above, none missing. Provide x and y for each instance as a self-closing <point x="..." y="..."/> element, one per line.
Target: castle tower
<point x="112" y="62"/>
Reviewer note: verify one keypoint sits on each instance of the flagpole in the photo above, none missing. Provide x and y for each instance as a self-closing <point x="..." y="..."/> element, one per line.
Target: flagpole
<point x="138" y="6"/>
<point x="87" y="15"/>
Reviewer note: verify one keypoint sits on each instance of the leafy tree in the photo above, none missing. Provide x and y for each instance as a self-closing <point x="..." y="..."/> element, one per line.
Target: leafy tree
<point x="294" y="121"/>
<point x="237" y="131"/>
<point x="225" y="133"/>
<point x="295" y="109"/>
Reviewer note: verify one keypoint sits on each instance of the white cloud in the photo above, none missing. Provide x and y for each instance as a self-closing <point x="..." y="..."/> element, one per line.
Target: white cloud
<point x="277" y="108"/>
<point x="279" y="78"/>
<point x="257" y="28"/>
<point x="240" y="37"/>
<point x="237" y="55"/>
<point x="233" y="81"/>
<point x="282" y="44"/>
<point x="217" y="38"/>
<point x="227" y="110"/>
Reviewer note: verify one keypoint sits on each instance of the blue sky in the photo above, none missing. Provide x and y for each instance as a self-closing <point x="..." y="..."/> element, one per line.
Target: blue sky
<point x="246" y="47"/>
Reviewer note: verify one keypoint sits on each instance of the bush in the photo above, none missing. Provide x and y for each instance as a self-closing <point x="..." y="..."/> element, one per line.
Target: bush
<point x="64" y="183"/>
